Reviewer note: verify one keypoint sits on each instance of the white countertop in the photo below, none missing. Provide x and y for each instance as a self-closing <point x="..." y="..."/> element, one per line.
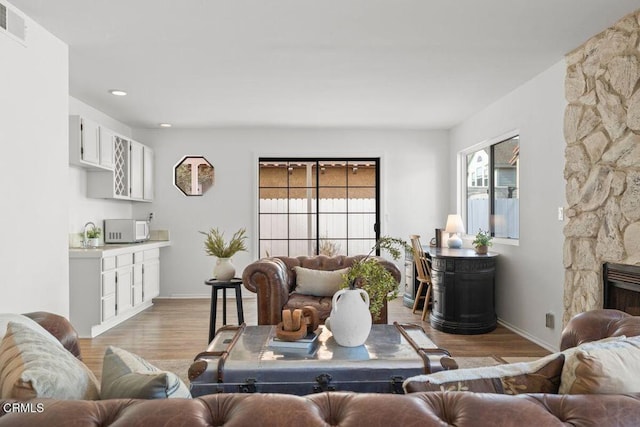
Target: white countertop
<point x="116" y="249"/>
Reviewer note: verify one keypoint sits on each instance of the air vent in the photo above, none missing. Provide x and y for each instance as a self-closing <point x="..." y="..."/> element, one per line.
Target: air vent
<point x="12" y="23"/>
<point x="3" y="16"/>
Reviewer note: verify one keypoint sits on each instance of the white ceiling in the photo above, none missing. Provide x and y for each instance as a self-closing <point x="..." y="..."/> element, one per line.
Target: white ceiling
<point x="355" y="63"/>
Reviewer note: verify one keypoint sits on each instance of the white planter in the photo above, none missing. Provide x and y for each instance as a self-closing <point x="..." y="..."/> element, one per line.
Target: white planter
<point x="224" y="270"/>
<point x="93" y="243"/>
<point x="350" y="320"/>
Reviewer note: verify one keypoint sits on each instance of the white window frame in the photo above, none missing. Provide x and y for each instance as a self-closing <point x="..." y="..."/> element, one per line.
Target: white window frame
<point x="462" y="182"/>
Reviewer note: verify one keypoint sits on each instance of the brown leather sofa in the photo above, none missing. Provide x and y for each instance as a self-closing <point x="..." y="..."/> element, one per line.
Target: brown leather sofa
<point x="461" y="409"/>
<point x="274" y="280"/>
<point x="598" y="324"/>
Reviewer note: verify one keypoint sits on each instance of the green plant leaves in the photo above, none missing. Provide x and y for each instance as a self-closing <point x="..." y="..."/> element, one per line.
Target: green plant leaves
<point x="483" y="238"/>
<point x="94" y="233"/>
<point x="367" y="273"/>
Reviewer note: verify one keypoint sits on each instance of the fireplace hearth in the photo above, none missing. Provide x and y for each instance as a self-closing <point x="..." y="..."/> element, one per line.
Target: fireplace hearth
<point x="622" y="287"/>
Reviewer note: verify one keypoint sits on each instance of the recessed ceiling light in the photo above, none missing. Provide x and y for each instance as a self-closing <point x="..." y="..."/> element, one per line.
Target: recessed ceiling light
<point x="117" y="92"/>
<point x="165" y="125"/>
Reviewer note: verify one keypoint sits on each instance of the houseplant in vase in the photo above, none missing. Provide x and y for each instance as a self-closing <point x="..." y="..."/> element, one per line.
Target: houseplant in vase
<point x="92" y="234"/>
<point x="364" y="289"/>
<point x="482" y="242"/>
<point x="215" y="245"/>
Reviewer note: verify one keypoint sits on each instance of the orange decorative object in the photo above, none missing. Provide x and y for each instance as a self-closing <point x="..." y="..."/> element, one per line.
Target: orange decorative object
<point x="297" y="324"/>
<point x="311" y="318"/>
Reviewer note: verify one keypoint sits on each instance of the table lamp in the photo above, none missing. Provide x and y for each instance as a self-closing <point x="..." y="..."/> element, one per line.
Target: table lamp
<point x="454" y="226"/>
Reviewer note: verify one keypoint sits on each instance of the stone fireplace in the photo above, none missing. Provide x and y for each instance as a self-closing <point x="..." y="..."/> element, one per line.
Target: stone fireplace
<point x="602" y="161"/>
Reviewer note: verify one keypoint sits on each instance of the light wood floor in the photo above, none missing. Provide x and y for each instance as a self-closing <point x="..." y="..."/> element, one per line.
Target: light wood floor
<point x="179" y="329"/>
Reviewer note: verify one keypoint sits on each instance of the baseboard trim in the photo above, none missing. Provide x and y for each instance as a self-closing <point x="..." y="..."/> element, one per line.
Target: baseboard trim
<point x="524" y="334"/>
<point x="108" y="324"/>
<point x="202" y="296"/>
<point x="184" y="296"/>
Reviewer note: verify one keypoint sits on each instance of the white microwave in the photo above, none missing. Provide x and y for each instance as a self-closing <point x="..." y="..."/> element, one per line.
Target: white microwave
<point x="125" y="231"/>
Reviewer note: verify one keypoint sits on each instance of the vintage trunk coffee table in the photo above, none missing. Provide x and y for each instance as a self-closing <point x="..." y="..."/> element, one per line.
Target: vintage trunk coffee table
<point x="241" y="359"/>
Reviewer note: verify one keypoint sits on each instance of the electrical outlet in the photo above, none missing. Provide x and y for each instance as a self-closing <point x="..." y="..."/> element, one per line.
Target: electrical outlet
<point x="549" y="320"/>
<point x="560" y="214"/>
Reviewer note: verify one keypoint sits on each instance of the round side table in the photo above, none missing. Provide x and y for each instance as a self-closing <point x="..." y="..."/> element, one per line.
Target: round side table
<point x="223" y="285"/>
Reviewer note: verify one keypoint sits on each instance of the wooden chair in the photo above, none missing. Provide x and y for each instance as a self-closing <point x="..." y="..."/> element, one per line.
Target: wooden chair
<point x="423" y="267"/>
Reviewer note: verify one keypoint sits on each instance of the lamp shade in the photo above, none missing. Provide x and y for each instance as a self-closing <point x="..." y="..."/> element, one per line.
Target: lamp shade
<point x="454" y="224"/>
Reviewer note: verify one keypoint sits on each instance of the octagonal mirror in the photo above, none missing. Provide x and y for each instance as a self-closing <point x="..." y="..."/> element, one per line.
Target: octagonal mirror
<point x="193" y="175"/>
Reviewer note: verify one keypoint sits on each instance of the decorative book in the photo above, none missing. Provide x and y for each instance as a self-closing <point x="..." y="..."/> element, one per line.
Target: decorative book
<point x="303" y="343"/>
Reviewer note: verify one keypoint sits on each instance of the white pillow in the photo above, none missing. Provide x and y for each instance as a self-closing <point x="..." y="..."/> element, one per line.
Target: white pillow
<point x="539" y="376"/>
<point x="318" y="283"/>
<point x="5" y="318"/>
<point x="601" y="367"/>
<point x="32" y="366"/>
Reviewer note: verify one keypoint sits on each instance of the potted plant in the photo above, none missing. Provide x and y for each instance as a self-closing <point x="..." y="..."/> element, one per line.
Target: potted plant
<point x="92" y="234"/>
<point x="368" y="274"/>
<point x="215" y="245"/>
<point x="482" y="242"/>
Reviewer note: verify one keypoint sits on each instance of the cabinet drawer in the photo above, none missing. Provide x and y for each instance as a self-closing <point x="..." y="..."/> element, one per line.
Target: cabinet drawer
<point x="124" y="260"/>
<point x="152" y="254"/>
<point x="108" y="307"/>
<point x="108" y="263"/>
<point x="138" y="257"/>
<point x="108" y="283"/>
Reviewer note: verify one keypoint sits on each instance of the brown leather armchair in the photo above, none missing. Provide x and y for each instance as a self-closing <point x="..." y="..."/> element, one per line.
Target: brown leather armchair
<point x="274" y="280"/>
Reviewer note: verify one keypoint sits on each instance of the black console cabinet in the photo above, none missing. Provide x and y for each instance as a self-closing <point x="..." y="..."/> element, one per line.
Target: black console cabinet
<point x="411" y="283"/>
<point x="463" y="291"/>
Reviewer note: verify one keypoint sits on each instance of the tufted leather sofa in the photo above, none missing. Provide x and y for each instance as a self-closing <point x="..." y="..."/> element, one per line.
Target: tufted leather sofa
<point x="274" y="280"/>
<point x="598" y="324"/>
<point x="462" y="409"/>
<point x="459" y="409"/>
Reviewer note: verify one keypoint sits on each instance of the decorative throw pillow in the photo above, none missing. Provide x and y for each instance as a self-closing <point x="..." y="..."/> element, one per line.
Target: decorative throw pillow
<point x="126" y="375"/>
<point x="540" y="376"/>
<point x="601" y="367"/>
<point x="31" y="365"/>
<point x="319" y="283"/>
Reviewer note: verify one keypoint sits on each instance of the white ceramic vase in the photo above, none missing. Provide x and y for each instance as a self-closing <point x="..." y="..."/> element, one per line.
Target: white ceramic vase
<point x="93" y="242"/>
<point x="350" y="320"/>
<point x="224" y="270"/>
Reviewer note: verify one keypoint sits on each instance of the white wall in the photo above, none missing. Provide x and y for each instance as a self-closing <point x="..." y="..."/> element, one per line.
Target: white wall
<point x="531" y="275"/>
<point x="33" y="148"/>
<point x="414" y="199"/>
<point x="81" y="208"/>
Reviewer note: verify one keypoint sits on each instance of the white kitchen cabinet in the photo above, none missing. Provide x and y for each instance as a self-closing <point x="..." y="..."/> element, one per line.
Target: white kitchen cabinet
<point x="129" y="179"/>
<point x="107" y="137"/>
<point x="136" y="170"/>
<point x="90" y="145"/>
<point x="151" y="274"/>
<point x="84" y="142"/>
<point x="124" y="283"/>
<point x="108" y="286"/>
<point x="137" y="277"/>
<point x="147" y="193"/>
<point x="108" y="295"/>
